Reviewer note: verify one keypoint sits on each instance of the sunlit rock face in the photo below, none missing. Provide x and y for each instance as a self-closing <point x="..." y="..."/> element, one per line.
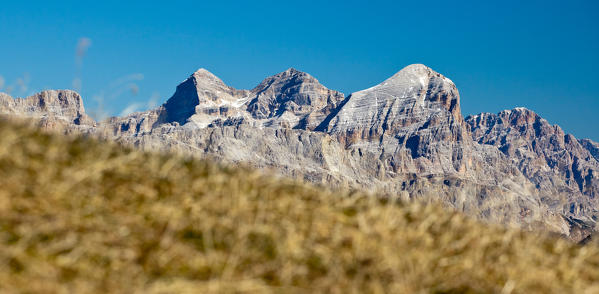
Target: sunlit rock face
<point x="404" y="137"/>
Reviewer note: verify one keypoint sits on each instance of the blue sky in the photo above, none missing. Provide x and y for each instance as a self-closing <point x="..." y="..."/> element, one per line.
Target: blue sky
<point x="542" y="55"/>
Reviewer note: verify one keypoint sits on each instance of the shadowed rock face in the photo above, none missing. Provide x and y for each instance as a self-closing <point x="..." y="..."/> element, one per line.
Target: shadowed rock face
<point x="405" y="137"/>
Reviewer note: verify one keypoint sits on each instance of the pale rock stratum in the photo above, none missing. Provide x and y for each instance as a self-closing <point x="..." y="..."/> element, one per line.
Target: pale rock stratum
<point x="404" y="138"/>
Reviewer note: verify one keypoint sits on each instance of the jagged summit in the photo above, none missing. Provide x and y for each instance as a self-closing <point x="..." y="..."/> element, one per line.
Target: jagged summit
<point x="201" y="91"/>
<point x="519" y="117"/>
<point x="409" y="99"/>
<point x="548" y="155"/>
<point x="291" y="75"/>
<point x="291" y="99"/>
<point x="293" y="70"/>
<point x="63" y="105"/>
<point x="202" y="75"/>
<point x="412" y="71"/>
<point x="414" y="75"/>
<point x="202" y="70"/>
<point x="297" y="98"/>
<point x="521" y="109"/>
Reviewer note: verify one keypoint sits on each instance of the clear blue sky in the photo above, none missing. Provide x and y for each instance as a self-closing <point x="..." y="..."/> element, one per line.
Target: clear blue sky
<point x="542" y="55"/>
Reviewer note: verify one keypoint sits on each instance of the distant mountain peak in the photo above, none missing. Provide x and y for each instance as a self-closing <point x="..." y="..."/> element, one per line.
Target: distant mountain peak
<point x="518" y="111"/>
<point x="416" y="97"/>
<point x="203" y="89"/>
<point x="289" y="75"/>
<point x="205" y="78"/>
<point x="301" y="97"/>
<point x="414" y="75"/>
<point x="202" y="70"/>
<point x="417" y="68"/>
<point x="66" y="105"/>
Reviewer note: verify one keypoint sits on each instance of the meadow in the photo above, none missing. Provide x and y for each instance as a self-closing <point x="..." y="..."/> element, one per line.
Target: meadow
<point x="78" y="215"/>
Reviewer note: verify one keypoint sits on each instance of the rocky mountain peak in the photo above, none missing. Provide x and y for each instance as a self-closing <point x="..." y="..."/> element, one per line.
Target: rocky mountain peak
<point x="293" y="71"/>
<point x="411" y="74"/>
<point x="202" y="90"/>
<point x="202" y="70"/>
<point x="204" y="77"/>
<point x="296" y="98"/>
<point x="64" y="105"/>
<point x="414" y="98"/>
<point x="518" y="121"/>
<point x="547" y="156"/>
<point x="519" y="116"/>
<point x="439" y="89"/>
<point x="289" y="77"/>
<point x="60" y="100"/>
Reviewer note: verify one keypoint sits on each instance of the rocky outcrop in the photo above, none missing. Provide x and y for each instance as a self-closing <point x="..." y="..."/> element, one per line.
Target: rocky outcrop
<point x="414" y="98"/>
<point x="202" y="98"/>
<point x="53" y="107"/>
<point x="295" y="99"/>
<point x="554" y="161"/>
<point x="134" y="124"/>
<point x="563" y="169"/>
<point x="404" y="138"/>
<point x="406" y="113"/>
<point x="290" y="99"/>
<point x="593" y="147"/>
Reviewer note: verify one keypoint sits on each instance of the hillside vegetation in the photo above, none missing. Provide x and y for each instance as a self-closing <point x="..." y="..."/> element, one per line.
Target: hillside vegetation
<point x="79" y="215"/>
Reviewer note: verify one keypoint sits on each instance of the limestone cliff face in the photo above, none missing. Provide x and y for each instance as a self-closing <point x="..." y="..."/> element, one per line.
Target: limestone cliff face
<point x="405" y="138"/>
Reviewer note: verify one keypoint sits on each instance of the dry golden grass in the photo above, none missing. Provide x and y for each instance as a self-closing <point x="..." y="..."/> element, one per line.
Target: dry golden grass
<point x="80" y="216"/>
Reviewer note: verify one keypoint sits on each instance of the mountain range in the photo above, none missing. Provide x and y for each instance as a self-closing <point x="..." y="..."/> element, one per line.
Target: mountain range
<point x="405" y="138"/>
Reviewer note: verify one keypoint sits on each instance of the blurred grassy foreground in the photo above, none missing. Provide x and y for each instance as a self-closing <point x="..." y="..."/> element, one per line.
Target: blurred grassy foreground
<point x="79" y="216"/>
